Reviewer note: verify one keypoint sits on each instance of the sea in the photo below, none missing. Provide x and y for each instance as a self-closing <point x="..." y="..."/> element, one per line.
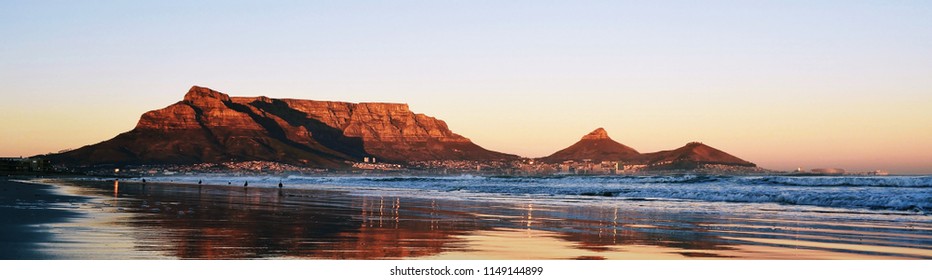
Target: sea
<point x="217" y="216"/>
<point x="895" y="195"/>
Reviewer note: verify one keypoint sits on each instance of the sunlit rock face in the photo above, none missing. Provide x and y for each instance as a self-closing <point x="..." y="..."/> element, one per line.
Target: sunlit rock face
<point x="208" y="126"/>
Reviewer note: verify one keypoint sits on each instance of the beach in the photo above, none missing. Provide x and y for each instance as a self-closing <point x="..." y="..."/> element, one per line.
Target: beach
<point x="26" y="211"/>
<point x="173" y="218"/>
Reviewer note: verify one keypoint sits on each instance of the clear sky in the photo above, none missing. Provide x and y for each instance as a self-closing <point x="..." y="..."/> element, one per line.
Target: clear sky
<point x="784" y="84"/>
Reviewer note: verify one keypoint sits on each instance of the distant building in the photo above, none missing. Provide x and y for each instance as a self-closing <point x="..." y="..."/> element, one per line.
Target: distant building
<point x="588" y="167"/>
<point x="609" y="167"/>
<point x="568" y="167"/>
<point x="21" y="164"/>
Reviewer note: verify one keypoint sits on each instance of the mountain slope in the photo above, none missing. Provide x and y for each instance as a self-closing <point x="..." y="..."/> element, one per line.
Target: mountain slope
<point x="691" y="156"/>
<point x="211" y="127"/>
<point x="596" y="146"/>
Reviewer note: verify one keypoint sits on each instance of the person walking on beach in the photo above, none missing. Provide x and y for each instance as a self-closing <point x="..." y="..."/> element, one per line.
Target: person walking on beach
<point x="246" y="184"/>
<point x="280" y="185"/>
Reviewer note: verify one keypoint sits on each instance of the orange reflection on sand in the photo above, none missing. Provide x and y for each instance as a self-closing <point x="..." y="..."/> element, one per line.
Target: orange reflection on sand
<point x="812" y="230"/>
<point x="179" y="221"/>
<point x="763" y="252"/>
<point x="512" y="244"/>
<point x="849" y="224"/>
<point x="923" y="253"/>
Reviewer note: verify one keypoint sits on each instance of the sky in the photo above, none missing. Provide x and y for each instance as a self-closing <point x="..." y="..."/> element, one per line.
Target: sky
<point x="784" y="84"/>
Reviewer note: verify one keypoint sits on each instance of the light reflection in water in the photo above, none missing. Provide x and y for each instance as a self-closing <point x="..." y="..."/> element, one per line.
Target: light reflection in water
<point x="231" y="222"/>
<point x="615" y="226"/>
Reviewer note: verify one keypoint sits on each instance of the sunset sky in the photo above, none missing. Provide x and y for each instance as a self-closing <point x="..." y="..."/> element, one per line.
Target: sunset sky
<point x="784" y="84"/>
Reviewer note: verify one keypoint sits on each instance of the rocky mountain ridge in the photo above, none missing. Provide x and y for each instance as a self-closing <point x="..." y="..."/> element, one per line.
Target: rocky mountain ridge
<point x="597" y="146"/>
<point x="208" y="126"/>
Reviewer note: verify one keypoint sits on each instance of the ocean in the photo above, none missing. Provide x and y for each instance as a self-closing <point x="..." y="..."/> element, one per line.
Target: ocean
<point x="906" y="195"/>
<point x="476" y="217"/>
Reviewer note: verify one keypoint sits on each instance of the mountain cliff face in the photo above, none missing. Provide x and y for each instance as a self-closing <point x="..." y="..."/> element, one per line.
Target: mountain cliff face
<point x="596" y="146"/>
<point x="211" y="127"/>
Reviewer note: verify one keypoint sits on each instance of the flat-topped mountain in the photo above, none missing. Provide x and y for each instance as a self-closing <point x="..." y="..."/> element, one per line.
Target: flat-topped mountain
<point x="211" y="127"/>
<point x="596" y="146"/>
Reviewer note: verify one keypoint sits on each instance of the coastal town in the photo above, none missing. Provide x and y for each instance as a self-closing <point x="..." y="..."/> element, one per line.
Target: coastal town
<point x="370" y="166"/>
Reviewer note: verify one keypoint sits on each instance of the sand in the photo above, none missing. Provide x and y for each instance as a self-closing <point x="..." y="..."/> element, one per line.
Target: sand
<point x="24" y="209"/>
<point x="131" y="220"/>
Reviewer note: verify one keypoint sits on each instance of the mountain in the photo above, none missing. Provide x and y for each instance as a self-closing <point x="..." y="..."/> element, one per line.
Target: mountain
<point x="596" y="146"/>
<point x="211" y="127"/>
<point x="691" y="156"/>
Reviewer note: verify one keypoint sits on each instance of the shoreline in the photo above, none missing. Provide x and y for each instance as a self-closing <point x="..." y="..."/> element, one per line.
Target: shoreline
<point x="25" y="211"/>
<point x="127" y="219"/>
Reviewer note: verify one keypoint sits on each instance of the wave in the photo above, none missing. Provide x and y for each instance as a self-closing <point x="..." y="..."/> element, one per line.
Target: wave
<point x="901" y="193"/>
<point x="843" y="181"/>
<point x="815" y="181"/>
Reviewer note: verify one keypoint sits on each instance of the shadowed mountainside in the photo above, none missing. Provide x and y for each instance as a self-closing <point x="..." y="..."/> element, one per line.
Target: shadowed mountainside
<point x="597" y="146"/>
<point x="211" y="127"/>
<point x="691" y="156"/>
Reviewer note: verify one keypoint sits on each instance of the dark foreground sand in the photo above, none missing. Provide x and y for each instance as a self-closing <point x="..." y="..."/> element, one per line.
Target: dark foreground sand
<point x="130" y="220"/>
<point x="24" y="210"/>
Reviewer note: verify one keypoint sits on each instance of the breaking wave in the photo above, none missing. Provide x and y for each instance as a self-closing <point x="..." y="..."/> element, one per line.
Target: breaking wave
<point x="903" y="193"/>
<point x="896" y="181"/>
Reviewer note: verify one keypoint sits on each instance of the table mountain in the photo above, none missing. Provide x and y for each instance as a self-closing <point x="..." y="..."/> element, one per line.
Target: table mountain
<point x="211" y="127"/>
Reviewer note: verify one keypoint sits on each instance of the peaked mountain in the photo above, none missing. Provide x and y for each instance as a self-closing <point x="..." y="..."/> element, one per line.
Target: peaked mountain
<point x="692" y="155"/>
<point x="211" y="127"/>
<point x="596" y="146"/>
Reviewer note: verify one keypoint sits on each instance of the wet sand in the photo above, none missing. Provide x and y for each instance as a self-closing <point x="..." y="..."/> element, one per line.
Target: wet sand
<point x="25" y="211"/>
<point x="131" y="220"/>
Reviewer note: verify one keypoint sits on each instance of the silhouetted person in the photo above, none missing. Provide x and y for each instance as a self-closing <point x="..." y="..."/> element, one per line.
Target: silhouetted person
<point x="246" y="184"/>
<point x="199" y="182"/>
<point x="280" y="185"/>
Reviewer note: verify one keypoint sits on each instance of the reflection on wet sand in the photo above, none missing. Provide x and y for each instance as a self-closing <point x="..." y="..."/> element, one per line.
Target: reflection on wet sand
<point x="219" y="222"/>
<point x="505" y="243"/>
